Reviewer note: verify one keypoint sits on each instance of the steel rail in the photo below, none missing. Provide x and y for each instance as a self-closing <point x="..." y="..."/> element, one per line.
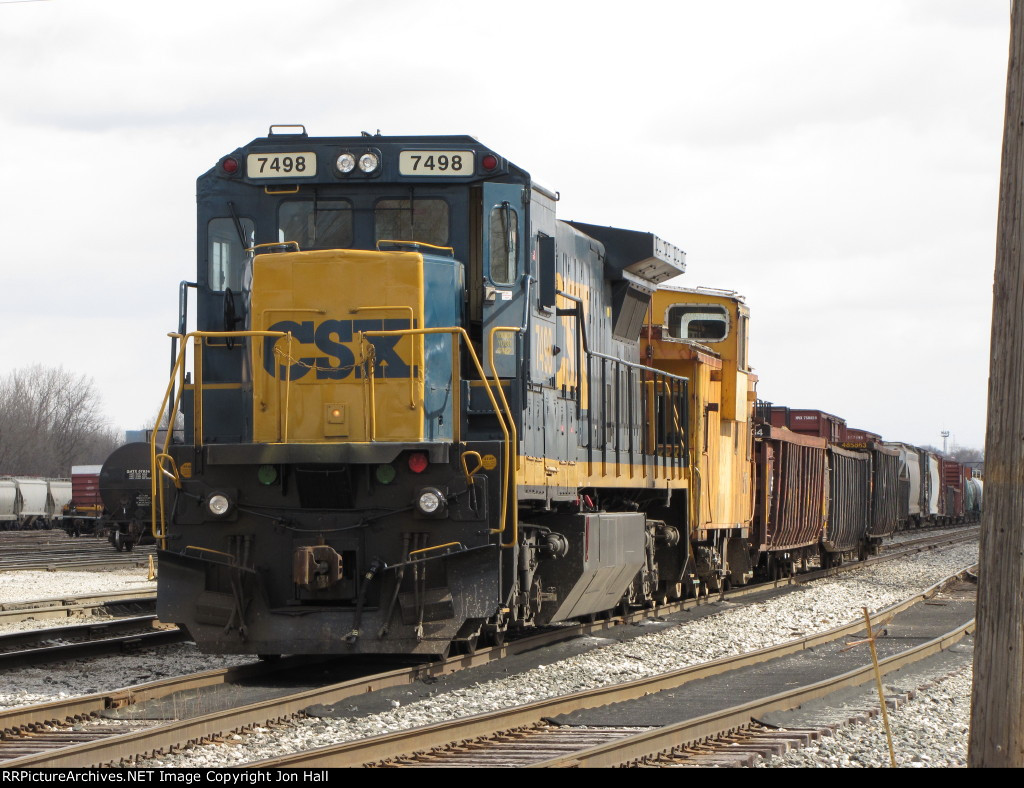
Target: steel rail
<point x="663" y="740"/>
<point x="73" y="606"/>
<point x="387" y="746"/>
<point x="100" y="637"/>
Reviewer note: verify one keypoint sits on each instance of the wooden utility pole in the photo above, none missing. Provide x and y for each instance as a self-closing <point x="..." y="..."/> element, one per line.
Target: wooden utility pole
<point x="997" y="714"/>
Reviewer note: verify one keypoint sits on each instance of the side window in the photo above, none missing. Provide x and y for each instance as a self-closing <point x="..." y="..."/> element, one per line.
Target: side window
<point x="227" y="253"/>
<point x="425" y="221"/>
<point x="504" y="244"/>
<point x="316" y="225"/>
<point x="700" y="322"/>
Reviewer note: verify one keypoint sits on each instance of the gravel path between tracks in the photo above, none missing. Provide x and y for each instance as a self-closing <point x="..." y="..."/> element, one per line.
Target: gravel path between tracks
<point x="24" y="686"/>
<point x="929" y="731"/>
<point x="24" y="586"/>
<point x="819" y="607"/>
<point x="59" y="680"/>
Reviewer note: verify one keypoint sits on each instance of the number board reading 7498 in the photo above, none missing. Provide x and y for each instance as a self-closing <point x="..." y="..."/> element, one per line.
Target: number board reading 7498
<point x="436" y="162"/>
<point x="301" y="164"/>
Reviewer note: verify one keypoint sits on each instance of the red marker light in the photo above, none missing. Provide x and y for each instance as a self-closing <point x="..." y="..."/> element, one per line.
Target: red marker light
<point x="489" y="162"/>
<point x="418" y="462"/>
<point x="230" y="166"/>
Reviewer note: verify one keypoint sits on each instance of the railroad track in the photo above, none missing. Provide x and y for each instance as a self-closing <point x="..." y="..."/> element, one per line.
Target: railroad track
<point x="40" y="646"/>
<point x="118" y="746"/>
<point x="522" y="736"/>
<point x="107" y="743"/>
<point x="54" y="550"/>
<point x="119" y="603"/>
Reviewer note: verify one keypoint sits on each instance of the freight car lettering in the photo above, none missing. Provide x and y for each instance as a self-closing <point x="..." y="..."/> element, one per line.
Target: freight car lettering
<point x="332" y="338"/>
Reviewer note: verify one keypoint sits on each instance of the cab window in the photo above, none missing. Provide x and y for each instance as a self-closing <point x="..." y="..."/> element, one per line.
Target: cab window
<point x="422" y="220"/>
<point x="699" y="322"/>
<point x="504" y="243"/>
<point x="227" y="252"/>
<point x="316" y="225"/>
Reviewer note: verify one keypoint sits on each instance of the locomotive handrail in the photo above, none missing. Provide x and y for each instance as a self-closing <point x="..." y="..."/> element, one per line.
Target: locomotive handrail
<point x="676" y="451"/>
<point x="172" y="400"/>
<point x="514" y="448"/>
<point x="506" y="429"/>
<point x="432" y="548"/>
<point x="635" y="365"/>
<point x="465" y="466"/>
<point x="412" y="320"/>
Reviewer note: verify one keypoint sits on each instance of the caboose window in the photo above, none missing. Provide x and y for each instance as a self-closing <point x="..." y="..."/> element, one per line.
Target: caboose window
<point x="411" y="220"/>
<point x="316" y="225"/>
<point x="700" y="322"/>
<point x="227" y="252"/>
<point x="504" y="240"/>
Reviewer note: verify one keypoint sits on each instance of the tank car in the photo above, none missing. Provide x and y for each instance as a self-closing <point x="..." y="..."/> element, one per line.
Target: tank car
<point x="415" y="408"/>
<point x="124" y="487"/>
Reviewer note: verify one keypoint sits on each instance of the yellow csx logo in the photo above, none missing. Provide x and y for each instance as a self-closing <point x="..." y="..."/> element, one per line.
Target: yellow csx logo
<point x="334" y="360"/>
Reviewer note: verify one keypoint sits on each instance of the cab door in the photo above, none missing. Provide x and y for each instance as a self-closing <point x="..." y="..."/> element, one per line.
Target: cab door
<point x="504" y="236"/>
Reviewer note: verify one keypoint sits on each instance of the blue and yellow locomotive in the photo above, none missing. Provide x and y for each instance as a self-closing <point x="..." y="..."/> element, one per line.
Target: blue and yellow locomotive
<point x="415" y="409"/>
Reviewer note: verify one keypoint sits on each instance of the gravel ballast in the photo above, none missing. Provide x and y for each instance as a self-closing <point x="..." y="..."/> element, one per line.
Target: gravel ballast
<point x="929" y="731"/>
<point x="31" y="585"/>
<point x="29" y="685"/>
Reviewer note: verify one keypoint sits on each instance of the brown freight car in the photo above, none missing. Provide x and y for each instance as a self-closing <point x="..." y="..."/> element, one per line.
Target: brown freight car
<point x="849" y="506"/>
<point x="792" y="480"/>
<point x="809" y="422"/>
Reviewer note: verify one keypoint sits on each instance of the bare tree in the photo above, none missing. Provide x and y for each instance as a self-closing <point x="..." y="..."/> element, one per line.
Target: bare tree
<point x="51" y="419"/>
<point x="967" y="455"/>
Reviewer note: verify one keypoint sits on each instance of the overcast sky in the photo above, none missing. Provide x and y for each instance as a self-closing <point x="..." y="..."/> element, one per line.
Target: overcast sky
<point x="837" y="163"/>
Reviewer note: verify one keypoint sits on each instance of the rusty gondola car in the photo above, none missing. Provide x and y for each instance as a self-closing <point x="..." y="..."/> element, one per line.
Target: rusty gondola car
<point x="885" y="483"/>
<point x="849" y="505"/>
<point x="792" y="487"/>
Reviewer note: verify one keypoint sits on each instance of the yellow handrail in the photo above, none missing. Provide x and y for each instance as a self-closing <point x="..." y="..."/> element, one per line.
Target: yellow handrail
<point x="157" y="458"/>
<point x="436" y="547"/>
<point x="465" y="466"/>
<point x="454" y="331"/>
<point x="512" y="427"/>
<point x="412" y="321"/>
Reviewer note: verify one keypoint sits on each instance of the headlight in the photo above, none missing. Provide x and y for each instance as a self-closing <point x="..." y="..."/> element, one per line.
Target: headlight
<point x="218" y="504"/>
<point x="346" y="162"/>
<point x="431" y="501"/>
<point x="368" y="162"/>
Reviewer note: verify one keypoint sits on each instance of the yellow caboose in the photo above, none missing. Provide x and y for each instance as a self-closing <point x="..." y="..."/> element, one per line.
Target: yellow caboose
<point x="702" y="334"/>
